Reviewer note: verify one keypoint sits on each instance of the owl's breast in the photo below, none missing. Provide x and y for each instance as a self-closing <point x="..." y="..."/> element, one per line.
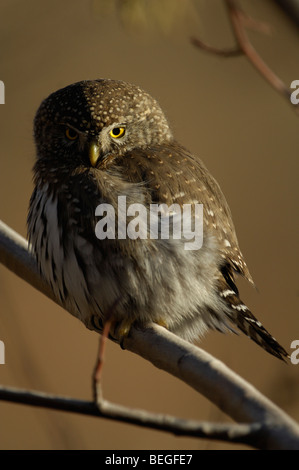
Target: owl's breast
<point x="91" y="273"/>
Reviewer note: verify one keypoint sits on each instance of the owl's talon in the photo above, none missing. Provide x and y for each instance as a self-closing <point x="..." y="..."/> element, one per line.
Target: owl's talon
<point x="123" y="331"/>
<point x="163" y="323"/>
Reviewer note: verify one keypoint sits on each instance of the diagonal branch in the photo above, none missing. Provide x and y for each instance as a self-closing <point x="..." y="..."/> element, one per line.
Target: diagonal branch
<point x="200" y="370"/>
<point x="237" y="19"/>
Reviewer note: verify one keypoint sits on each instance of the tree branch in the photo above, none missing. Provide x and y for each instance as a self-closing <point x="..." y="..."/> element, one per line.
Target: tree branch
<point x="232" y="52"/>
<point x="250" y="434"/>
<point x="270" y="427"/>
<point x="239" y="21"/>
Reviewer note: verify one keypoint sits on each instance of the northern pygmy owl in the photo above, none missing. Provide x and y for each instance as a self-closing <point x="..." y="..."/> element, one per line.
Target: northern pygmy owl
<point x="97" y="141"/>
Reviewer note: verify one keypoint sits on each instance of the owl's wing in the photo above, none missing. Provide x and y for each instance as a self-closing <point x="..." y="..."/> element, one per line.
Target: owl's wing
<point x="174" y="175"/>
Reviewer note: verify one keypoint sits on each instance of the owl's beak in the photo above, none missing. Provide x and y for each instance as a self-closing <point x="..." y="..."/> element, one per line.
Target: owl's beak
<point x="94" y="153"/>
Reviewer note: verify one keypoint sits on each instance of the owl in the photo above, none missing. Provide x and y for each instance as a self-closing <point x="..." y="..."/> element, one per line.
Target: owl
<point x="104" y="147"/>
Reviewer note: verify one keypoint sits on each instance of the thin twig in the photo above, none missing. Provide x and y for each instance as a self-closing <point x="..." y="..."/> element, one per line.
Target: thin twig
<point x="97" y="379"/>
<point x="239" y="21"/>
<point x="250" y="434"/>
<point x="232" y="52"/>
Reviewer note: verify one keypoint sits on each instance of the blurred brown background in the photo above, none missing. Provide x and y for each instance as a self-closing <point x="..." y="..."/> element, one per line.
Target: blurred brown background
<point x="219" y="108"/>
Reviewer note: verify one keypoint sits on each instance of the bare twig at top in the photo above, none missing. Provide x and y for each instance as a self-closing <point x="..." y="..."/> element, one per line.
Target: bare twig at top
<point x="240" y="21"/>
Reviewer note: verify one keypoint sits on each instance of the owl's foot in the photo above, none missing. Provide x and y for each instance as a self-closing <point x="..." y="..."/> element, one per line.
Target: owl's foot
<point x="163" y="323"/>
<point x="124" y="328"/>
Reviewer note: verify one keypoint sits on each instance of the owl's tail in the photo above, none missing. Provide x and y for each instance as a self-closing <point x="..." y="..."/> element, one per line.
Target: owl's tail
<point x="241" y="316"/>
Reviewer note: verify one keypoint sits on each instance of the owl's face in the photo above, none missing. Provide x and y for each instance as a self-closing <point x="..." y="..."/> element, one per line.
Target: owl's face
<point x="92" y="122"/>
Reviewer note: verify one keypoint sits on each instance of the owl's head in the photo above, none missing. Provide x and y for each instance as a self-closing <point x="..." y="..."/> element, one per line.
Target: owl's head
<point x="90" y="121"/>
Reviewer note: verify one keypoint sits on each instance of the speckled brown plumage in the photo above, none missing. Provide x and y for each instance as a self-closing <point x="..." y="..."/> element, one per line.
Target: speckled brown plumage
<point x="100" y="139"/>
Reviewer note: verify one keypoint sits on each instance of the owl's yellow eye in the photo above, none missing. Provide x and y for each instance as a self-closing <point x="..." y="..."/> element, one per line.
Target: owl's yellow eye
<point x="117" y="132"/>
<point x="71" y="134"/>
